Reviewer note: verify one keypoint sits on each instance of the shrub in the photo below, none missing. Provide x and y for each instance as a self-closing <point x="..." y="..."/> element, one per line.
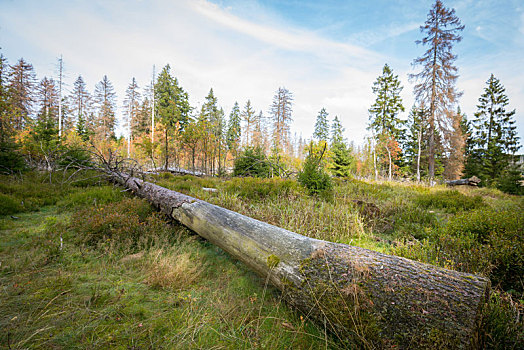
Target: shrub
<point x="9" y="205"/>
<point x="313" y="177"/>
<point x="503" y="322"/>
<point x="451" y="201"/>
<point x="74" y="157"/>
<point x="11" y="160"/>
<point x="122" y="221"/>
<point x="256" y="189"/>
<point x="252" y="162"/>
<point x="510" y="181"/>
<point x="489" y="242"/>
<point x="93" y="195"/>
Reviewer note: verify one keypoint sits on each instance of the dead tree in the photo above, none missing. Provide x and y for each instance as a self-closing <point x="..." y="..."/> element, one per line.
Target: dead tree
<point x="382" y="300"/>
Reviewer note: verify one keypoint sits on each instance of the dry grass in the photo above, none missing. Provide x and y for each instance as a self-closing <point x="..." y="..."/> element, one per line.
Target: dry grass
<point x="168" y="269"/>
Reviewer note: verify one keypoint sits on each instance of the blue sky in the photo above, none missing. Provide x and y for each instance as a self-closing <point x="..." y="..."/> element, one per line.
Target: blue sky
<point x="328" y="53"/>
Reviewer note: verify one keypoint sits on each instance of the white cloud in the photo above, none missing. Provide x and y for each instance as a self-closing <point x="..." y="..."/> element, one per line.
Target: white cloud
<point x="209" y="46"/>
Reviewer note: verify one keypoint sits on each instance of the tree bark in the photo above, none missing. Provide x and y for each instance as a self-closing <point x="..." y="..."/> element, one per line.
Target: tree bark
<point x="381" y="300"/>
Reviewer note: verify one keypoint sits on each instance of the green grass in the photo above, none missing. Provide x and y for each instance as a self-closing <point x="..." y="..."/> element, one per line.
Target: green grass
<point x="124" y="278"/>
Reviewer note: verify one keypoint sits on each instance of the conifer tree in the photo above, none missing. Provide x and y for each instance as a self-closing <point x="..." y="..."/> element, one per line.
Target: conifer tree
<point x="494" y="131"/>
<point x="281" y="113"/>
<point x="321" y="132"/>
<point x="172" y="107"/>
<point x="6" y="124"/>
<point x="22" y="81"/>
<point x="436" y="87"/>
<point x="248" y="116"/>
<point x="131" y="111"/>
<point x="234" y="131"/>
<point x="337" y="131"/>
<point x="79" y="105"/>
<point x="105" y="100"/>
<point x="383" y="114"/>
<point x="342" y="161"/>
<point x="47" y="98"/>
<point x="45" y="132"/>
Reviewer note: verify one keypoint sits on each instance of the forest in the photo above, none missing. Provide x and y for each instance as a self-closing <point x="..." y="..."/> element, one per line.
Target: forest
<point x="85" y="263"/>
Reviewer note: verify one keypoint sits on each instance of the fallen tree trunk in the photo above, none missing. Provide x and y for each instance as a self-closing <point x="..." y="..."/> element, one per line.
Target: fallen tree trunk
<point x="377" y="299"/>
<point x="472" y="181"/>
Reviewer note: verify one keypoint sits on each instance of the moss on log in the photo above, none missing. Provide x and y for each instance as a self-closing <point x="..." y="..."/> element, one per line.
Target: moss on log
<point x="381" y="301"/>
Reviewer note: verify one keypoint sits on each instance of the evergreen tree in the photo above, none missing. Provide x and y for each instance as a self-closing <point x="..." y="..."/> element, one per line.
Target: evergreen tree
<point x="105" y="100"/>
<point x="234" y="131"/>
<point x="47" y="98"/>
<point x="11" y="160"/>
<point x="342" y="160"/>
<point x="438" y="76"/>
<point x="281" y="113"/>
<point x="383" y="114"/>
<point x="312" y="176"/>
<point x="172" y="107"/>
<point x="321" y="132"/>
<point x="495" y="132"/>
<point x="79" y="104"/>
<point x="6" y="124"/>
<point x="215" y="120"/>
<point x="248" y="116"/>
<point x="22" y="81"/>
<point x="131" y="105"/>
<point x="258" y="131"/>
<point x="337" y="131"/>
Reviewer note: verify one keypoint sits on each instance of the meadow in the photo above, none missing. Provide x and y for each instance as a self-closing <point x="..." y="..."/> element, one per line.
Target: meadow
<point x="86" y="265"/>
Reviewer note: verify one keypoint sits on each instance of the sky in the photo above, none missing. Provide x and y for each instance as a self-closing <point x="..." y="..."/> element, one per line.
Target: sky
<point x="327" y="53"/>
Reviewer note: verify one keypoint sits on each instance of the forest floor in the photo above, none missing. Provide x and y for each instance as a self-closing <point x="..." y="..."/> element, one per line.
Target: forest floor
<point x="85" y="265"/>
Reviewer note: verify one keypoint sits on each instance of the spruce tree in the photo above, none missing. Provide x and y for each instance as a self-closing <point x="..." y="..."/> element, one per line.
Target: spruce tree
<point x="281" y="113"/>
<point x="383" y="114"/>
<point x="321" y="132"/>
<point x="6" y="124"/>
<point x="248" y="116"/>
<point x="131" y="110"/>
<point x="494" y="131"/>
<point x="233" y="130"/>
<point x="172" y="107"/>
<point x="342" y="161"/>
<point x="21" y="90"/>
<point x="80" y="106"/>
<point x="436" y="87"/>
<point x="105" y="100"/>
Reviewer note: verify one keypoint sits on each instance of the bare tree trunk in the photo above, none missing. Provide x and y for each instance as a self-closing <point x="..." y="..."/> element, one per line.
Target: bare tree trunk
<point x="385" y="301"/>
<point x="390" y="165"/>
<point x="419" y="152"/>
